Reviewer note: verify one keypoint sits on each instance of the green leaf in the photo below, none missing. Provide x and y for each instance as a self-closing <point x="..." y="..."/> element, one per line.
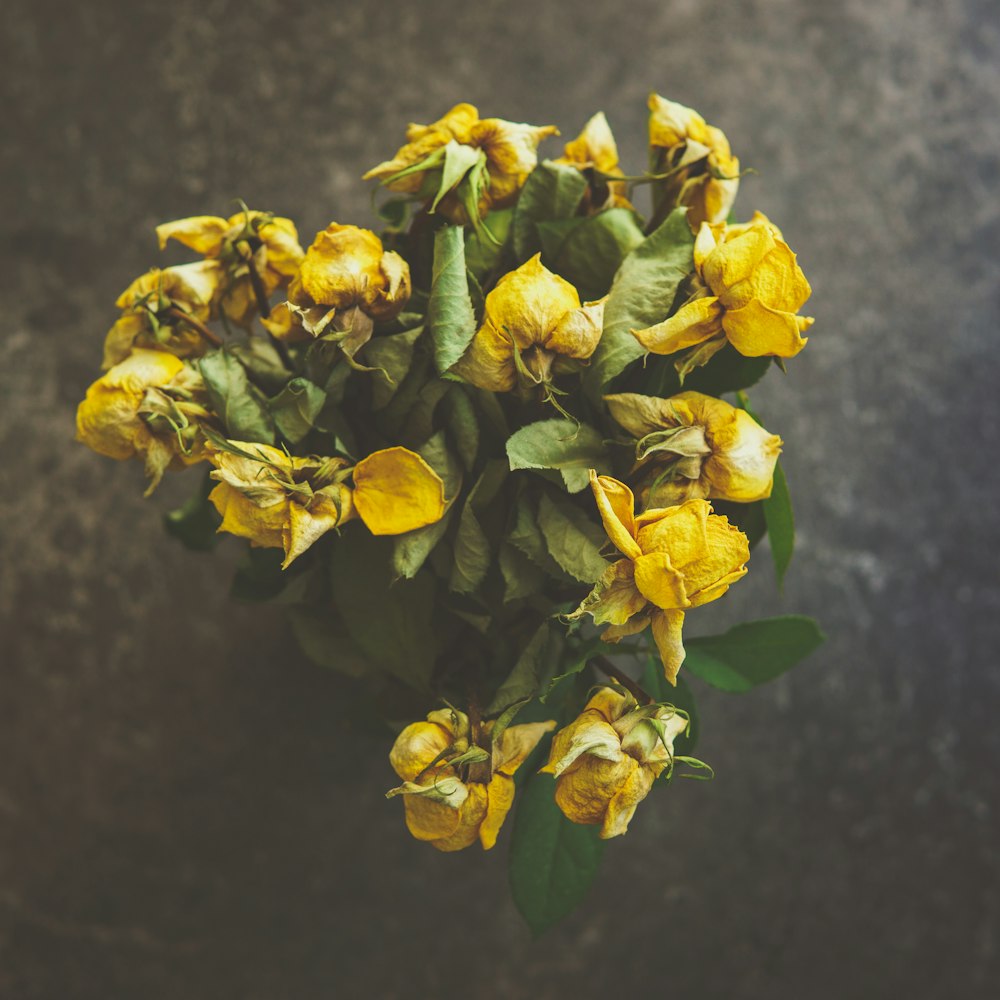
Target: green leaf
<point x="553" y="862"/>
<point x="410" y="550"/>
<point x="655" y="684"/>
<point x="324" y="643"/>
<point x="241" y="407"/>
<point x="391" y="623"/>
<point x="642" y="294"/>
<point x="533" y="669"/>
<point x="393" y="356"/>
<point x="473" y="551"/>
<point x="572" y="539"/>
<point x="728" y="371"/>
<point x="459" y="159"/>
<point x="296" y="408"/>
<point x="196" y="522"/>
<point x="521" y="577"/>
<point x="589" y="251"/>
<point x="450" y="316"/>
<point x="571" y="448"/>
<point x="752" y="653"/>
<point x="482" y="254"/>
<point x="526" y="536"/>
<point x="463" y="426"/>
<point x="552" y="191"/>
<point x="780" y="523"/>
<point x="263" y="363"/>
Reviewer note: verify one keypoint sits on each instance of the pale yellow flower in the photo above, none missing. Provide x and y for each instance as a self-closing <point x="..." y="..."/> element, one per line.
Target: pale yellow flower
<point x="452" y="797"/>
<point x="749" y="289"/>
<point x="703" y="173"/>
<point x="595" y="150"/>
<point x="165" y="310"/>
<point x="508" y="153"/>
<point x="265" y="243"/>
<point x="693" y="446"/>
<point x="149" y="405"/>
<point x="606" y="760"/>
<point x="276" y="500"/>
<point x="532" y="320"/>
<point x="676" y="558"/>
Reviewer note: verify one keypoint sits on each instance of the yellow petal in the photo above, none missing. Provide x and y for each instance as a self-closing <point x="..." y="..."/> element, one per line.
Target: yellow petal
<point x="430" y="820"/>
<point x="511" y="150"/>
<point x="588" y="735"/>
<point x="489" y="361"/>
<point x="499" y="799"/>
<point x="340" y="265"/>
<point x="263" y="526"/>
<point x="724" y="562"/>
<point x="659" y="582"/>
<point x="594" y="147"/>
<point x="583" y="794"/>
<point x="578" y="332"/>
<point x="692" y="324"/>
<point x="622" y="805"/>
<point x="471" y="816"/>
<point x="306" y="524"/>
<point x="635" y="625"/>
<point x="202" y="233"/>
<point x="396" y="491"/>
<point x="416" y="748"/>
<point x="667" y="627"/>
<point x="616" y="505"/>
<point x="756" y="330"/>
<point x="680" y="532"/>
<point x="517" y="742"/>
<point x="614" y="599"/>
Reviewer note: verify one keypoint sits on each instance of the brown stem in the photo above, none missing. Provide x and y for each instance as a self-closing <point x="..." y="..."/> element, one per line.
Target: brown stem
<point x="259" y="291"/>
<point x="196" y="324"/>
<point x="607" y="667"/>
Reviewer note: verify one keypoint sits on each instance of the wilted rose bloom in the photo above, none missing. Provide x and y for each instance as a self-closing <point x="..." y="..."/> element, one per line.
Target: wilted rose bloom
<point x="750" y="289"/>
<point x="276" y="500"/>
<point x="676" y="558"/>
<point x="165" y="310"/>
<point x="267" y="243"/>
<point x="693" y="446"/>
<point x="538" y="315"/>
<point x="594" y="150"/>
<point x="606" y="760"/>
<point x="444" y="808"/>
<point x="703" y="173"/>
<point x="149" y="405"/>
<point x="508" y="154"/>
<point x="345" y="284"/>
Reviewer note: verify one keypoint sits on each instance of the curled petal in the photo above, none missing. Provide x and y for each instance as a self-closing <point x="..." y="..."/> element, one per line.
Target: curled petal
<point x="757" y="330"/>
<point x="694" y="323"/>
<point x="667" y="627"/>
<point x="202" y="233"/>
<point x="616" y="505"/>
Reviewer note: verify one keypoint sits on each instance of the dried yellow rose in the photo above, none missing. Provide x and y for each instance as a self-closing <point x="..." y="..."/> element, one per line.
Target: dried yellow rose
<point x="703" y="173"/>
<point x="277" y="500"/>
<point x="676" y="558"/>
<point x="165" y="310"/>
<point x="693" y="446"/>
<point x="455" y="793"/>
<point x="150" y="405"/>
<point x="749" y="289"/>
<point x="606" y="760"/>
<point x="532" y="321"/>
<point x="595" y="150"/>
<point x="492" y="156"/>
<point x="246" y="248"/>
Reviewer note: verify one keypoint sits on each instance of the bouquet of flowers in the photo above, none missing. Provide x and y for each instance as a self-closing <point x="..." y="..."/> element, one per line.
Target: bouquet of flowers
<point x="484" y="460"/>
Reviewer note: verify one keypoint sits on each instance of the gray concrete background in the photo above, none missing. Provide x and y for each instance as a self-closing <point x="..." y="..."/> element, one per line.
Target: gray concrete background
<point x="179" y="815"/>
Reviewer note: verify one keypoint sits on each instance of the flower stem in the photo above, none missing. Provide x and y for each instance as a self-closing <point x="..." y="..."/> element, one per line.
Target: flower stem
<point x="603" y="664"/>
<point x="195" y="324"/>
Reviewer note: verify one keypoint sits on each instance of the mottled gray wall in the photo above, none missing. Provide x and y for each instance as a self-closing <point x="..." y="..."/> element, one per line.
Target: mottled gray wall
<point x="178" y="815"/>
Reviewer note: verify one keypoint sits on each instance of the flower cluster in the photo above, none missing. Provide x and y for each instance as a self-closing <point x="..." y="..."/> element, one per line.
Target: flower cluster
<point x="486" y="445"/>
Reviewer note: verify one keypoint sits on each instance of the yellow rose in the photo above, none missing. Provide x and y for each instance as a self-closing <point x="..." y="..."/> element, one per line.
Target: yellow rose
<point x="749" y="289"/>
<point x="283" y="501"/>
<point x="454" y="792"/>
<point x="150" y="405"/>
<point x="693" y="446"/>
<point x="606" y="760"/>
<point x="166" y="310"/>
<point x="703" y="173"/>
<point x="347" y="283"/>
<point x="532" y="320"/>
<point x="676" y="558"/>
<point x="507" y="153"/>
<point x="247" y="247"/>
<point x="595" y="150"/>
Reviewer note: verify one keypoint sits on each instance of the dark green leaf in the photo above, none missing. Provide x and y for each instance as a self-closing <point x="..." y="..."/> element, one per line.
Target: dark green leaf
<point x="552" y="191"/>
<point x="263" y="363"/>
<point x="521" y="576"/>
<point x="450" y="317"/>
<point x="780" y="523"/>
<point x="240" y="406"/>
<point x="526" y="536"/>
<point x="533" y="669"/>
<point x="728" y="371"/>
<point x="553" y="862"/>
<point x="642" y="294"/>
<point x="752" y="653"/>
<point x="324" y="641"/>
<point x="482" y="254"/>
<point x="463" y="425"/>
<point x="296" y="408"/>
<point x="588" y="252"/>
<point x="393" y="356"/>
<point x="572" y="539"/>
<point x="196" y="522"/>
<point x="473" y="551"/>
<point x="571" y="448"/>
<point x="391" y="623"/>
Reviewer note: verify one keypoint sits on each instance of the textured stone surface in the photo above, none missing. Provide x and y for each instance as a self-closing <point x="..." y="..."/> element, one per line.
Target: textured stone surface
<point x="178" y="817"/>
